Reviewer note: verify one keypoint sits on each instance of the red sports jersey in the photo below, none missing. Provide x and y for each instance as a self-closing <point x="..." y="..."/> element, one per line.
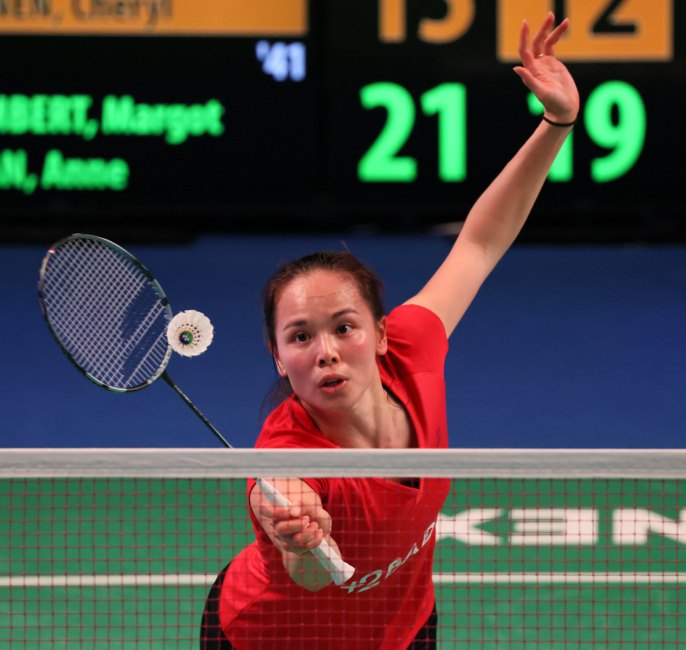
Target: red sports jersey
<point x="383" y="528"/>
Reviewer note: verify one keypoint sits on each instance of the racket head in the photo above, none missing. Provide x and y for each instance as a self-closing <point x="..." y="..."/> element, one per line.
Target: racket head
<point x="106" y="311"/>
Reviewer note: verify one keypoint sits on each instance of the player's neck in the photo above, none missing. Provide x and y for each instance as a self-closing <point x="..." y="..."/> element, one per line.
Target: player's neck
<point x="377" y="420"/>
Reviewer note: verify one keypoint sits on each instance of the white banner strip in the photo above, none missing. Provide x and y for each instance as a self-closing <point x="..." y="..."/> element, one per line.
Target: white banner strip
<point x="206" y="579"/>
<point x="242" y="463"/>
<point x="553" y="578"/>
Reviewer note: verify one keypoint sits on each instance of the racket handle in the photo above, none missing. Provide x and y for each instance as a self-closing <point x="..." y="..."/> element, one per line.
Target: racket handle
<point x="339" y="570"/>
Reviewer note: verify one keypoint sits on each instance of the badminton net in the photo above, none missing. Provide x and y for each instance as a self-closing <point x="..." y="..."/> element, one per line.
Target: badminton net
<point x="534" y="549"/>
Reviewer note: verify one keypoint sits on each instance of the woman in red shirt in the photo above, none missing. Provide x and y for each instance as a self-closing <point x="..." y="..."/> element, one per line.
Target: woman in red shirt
<point x="361" y="379"/>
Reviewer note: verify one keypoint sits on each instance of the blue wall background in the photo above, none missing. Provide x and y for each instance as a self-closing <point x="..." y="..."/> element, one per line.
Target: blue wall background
<point x="564" y="347"/>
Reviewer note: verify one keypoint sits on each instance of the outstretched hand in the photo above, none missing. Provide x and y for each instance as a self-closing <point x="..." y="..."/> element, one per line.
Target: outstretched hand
<point x="300" y="529"/>
<point x="543" y="74"/>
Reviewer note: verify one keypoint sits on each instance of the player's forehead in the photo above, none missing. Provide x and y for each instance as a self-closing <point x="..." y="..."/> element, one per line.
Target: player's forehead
<point x="319" y="293"/>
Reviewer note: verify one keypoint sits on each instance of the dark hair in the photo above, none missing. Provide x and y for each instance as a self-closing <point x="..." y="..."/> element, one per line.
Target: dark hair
<point x="368" y="283"/>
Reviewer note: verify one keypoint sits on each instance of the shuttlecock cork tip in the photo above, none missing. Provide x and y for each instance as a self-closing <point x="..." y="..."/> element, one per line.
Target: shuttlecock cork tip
<point x="190" y="333"/>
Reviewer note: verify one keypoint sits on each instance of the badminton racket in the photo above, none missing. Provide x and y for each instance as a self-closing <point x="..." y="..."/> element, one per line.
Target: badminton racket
<point x="109" y="316"/>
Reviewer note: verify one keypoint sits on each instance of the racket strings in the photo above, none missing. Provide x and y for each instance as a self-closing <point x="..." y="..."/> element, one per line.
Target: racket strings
<point x="109" y="336"/>
<point x="106" y="313"/>
<point x="80" y="315"/>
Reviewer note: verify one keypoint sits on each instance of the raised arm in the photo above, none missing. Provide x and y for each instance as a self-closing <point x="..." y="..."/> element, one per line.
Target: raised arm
<point x="500" y="212"/>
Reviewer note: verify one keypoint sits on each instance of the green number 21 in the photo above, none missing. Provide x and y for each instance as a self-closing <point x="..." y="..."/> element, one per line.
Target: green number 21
<point x="382" y="163"/>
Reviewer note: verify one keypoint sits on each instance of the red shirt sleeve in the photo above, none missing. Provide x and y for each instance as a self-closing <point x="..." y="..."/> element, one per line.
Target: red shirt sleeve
<point x="417" y="341"/>
<point x="413" y="371"/>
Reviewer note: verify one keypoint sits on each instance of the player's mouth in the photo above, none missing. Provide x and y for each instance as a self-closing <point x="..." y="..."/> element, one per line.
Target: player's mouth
<point x="332" y="383"/>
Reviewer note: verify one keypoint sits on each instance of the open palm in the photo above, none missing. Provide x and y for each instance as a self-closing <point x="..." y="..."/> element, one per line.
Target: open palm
<point x="543" y="74"/>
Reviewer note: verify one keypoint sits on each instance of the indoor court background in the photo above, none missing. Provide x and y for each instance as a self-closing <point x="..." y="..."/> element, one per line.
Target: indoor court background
<point x="565" y="346"/>
<point x="577" y="340"/>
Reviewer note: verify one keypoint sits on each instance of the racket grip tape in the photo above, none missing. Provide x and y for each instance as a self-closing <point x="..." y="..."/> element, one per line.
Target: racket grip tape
<point x="339" y="570"/>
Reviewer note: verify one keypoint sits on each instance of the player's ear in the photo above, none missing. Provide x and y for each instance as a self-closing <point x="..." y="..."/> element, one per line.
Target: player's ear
<point x="277" y="362"/>
<point x="381" y="341"/>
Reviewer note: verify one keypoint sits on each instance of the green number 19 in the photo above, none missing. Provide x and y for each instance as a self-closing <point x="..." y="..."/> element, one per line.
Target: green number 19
<point x="624" y="136"/>
<point x="382" y="162"/>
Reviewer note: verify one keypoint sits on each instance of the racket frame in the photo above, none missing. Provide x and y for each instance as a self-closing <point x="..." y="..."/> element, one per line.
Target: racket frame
<point x="154" y="284"/>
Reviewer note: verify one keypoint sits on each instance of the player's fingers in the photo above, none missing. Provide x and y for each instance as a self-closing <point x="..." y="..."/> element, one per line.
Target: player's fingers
<point x="323" y="519"/>
<point x="308" y="537"/>
<point x="291" y="526"/>
<point x="538" y="43"/>
<point x="525" y="53"/>
<point x="312" y="537"/>
<point x="526" y="77"/>
<point x="301" y="541"/>
<point x="554" y="37"/>
<point x="273" y="515"/>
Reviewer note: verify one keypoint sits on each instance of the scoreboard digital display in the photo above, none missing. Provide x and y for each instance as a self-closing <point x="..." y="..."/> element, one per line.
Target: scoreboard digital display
<point x="289" y="114"/>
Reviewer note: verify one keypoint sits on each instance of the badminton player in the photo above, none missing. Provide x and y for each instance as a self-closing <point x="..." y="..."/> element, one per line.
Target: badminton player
<point x="359" y="378"/>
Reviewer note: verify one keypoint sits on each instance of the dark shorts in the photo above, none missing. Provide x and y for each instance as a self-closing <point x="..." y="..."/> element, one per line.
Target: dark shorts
<point x="212" y="636"/>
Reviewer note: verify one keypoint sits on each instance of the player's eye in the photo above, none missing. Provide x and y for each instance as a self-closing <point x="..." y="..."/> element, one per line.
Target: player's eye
<point x="300" y="337"/>
<point x="344" y="329"/>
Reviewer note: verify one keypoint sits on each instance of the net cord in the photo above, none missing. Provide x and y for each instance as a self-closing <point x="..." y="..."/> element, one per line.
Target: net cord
<point x="245" y="463"/>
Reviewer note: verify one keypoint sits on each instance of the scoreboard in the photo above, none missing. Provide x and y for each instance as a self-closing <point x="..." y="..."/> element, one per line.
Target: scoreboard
<point x="191" y="115"/>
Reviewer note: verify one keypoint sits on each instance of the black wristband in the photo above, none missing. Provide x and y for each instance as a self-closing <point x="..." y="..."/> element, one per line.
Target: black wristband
<point x="572" y="123"/>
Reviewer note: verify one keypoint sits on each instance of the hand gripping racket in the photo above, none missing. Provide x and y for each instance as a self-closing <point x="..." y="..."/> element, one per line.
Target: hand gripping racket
<point x="109" y="316"/>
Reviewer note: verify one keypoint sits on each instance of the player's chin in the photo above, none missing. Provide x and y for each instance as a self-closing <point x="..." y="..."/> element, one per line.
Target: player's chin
<point x="318" y="401"/>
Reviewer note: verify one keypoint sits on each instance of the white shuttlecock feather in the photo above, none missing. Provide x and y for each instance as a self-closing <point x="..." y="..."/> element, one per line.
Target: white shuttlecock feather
<point x="190" y="333"/>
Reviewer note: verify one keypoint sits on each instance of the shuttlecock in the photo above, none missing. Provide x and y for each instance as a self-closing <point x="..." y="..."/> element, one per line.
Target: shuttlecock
<point x="190" y="333"/>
